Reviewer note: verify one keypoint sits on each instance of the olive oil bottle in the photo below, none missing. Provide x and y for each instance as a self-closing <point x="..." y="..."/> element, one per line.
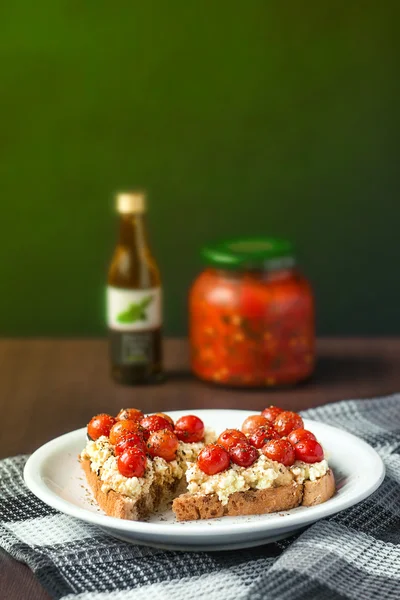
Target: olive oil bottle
<point x="134" y="302"/>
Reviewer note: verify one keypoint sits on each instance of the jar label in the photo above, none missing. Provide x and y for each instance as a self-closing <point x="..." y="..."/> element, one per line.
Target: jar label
<point x="133" y="310"/>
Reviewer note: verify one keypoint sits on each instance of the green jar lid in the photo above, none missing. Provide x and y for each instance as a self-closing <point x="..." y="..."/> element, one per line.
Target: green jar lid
<point x="250" y="252"/>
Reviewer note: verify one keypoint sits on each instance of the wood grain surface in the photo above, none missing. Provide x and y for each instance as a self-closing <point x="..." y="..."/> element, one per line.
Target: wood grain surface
<point x="51" y="386"/>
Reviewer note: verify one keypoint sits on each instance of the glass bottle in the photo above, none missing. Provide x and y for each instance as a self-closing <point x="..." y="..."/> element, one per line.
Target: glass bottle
<point x="134" y="299"/>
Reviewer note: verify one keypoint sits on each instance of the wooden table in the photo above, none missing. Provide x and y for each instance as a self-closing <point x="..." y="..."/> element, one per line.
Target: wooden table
<point x="50" y="386"/>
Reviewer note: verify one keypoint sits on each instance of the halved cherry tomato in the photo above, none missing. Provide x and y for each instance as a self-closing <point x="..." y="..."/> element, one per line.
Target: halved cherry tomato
<point x="262" y="435"/>
<point x="100" y="425"/>
<point x="230" y="437"/>
<point x="133" y="440"/>
<point x="271" y="412"/>
<point x="133" y="414"/>
<point x="122" y="429"/>
<point x="309" y="451"/>
<point x="252" y="423"/>
<point x="155" y="423"/>
<point x="299" y="435"/>
<point x="189" y="429"/>
<point x="280" y="450"/>
<point x="243" y="454"/>
<point x="164" y="416"/>
<point x="286" y="421"/>
<point x="163" y="443"/>
<point x="132" y="463"/>
<point x="213" y="459"/>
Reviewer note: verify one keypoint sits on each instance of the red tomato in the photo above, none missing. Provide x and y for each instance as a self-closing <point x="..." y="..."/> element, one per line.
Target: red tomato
<point x="230" y="437"/>
<point x="309" y="451"/>
<point x="262" y="435"/>
<point x="286" y="421"/>
<point x="189" y="429"/>
<point x="133" y="414"/>
<point x="100" y="425"/>
<point x="132" y="463"/>
<point x="163" y="443"/>
<point x="164" y="416"/>
<point x="252" y="423"/>
<point x="155" y="423"/>
<point x="253" y="303"/>
<point x="122" y="429"/>
<point x="133" y="440"/>
<point x="271" y="413"/>
<point x="243" y="454"/>
<point x="299" y="435"/>
<point x="280" y="450"/>
<point x="213" y="459"/>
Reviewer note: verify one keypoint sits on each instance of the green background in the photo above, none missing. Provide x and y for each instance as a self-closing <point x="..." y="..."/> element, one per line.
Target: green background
<point x="238" y="117"/>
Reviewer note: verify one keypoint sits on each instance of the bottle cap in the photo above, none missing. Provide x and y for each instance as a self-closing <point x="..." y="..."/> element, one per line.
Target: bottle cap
<point x="131" y="202"/>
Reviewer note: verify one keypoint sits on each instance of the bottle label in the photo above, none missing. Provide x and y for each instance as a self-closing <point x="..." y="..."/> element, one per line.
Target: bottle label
<point x="133" y="310"/>
<point x="131" y="348"/>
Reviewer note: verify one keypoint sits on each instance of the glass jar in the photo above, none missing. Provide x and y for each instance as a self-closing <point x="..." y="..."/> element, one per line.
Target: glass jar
<point x="252" y="315"/>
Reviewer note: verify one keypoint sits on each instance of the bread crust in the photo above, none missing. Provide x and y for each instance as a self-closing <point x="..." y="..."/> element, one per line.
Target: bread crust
<point x="190" y="507"/>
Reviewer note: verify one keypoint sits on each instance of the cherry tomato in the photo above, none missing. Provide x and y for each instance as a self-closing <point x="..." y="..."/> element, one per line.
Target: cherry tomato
<point x="189" y="429"/>
<point x="100" y="425"/>
<point x="286" y="421"/>
<point x="133" y="440"/>
<point x="213" y="459"/>
<point x="243" y="454"/>
<point x="154" y="423"/>
<point x="122" y="429"/>
<point x="271" y="413"/>
<point x="262" y="435"/>
<point x="163" y="443"/>
<point x="280" y="450"/>
<point x="132" y="462"/>
<point x="164" y="416"/>
<point x="299" y="435"/>
<point x="230" y="437"/>
<point x="309" y="451"/>
<point x="133" y="414"/>
<point x="252" y="423"/>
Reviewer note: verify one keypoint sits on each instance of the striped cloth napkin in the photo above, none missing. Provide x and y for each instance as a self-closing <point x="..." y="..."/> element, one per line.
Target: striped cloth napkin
<point x="354" y="554"/>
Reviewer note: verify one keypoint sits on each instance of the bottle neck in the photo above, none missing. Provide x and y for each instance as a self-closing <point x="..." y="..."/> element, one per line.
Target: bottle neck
<point x="132" y="230"/>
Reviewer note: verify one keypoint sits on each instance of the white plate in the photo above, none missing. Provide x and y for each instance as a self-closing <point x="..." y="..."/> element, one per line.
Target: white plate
<point x="54" y="475"/>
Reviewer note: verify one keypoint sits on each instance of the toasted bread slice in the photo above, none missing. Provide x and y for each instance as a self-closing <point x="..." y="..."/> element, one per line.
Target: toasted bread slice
<point x="118" y="505"/>
<point x="190" y="507"/>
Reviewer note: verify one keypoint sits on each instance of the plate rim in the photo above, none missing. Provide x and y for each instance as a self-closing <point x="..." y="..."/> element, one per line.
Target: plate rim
<point x="36" y="484"/>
